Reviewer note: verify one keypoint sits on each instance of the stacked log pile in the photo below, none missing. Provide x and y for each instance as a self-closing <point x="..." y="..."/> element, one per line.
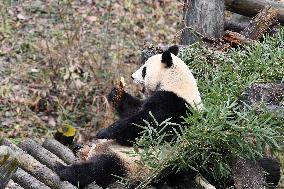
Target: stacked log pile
<point x="36" y="163"/>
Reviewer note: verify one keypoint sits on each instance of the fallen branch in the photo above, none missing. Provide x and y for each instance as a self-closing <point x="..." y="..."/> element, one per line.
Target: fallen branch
<point x="261" y="23"/>
<point x="234" y="26"/>
<point x="252" y="7"/>
<point x="258" y="26"/>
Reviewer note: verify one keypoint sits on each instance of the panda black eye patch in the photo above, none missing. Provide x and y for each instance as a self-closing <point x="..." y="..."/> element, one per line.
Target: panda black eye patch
<point x="144" y="72"/>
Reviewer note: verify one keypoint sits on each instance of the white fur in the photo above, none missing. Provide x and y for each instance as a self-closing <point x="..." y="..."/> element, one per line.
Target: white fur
<point x="178" y="79"/>
<point x="203" y="182"/>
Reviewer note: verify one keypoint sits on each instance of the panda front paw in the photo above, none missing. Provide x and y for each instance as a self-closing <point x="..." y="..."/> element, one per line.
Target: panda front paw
<point x="115" y="96"/>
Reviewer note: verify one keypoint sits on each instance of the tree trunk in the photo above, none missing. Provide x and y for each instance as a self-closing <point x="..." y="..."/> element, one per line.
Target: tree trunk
<point x="252" y="7"/>
<point x="204" y="17"/>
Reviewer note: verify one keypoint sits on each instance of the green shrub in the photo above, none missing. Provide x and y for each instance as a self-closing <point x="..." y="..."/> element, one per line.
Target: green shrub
<point x="209" y="141"/>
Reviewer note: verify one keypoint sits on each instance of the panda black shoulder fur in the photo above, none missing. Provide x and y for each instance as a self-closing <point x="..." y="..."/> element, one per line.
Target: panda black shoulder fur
<point x="173" y="89"/>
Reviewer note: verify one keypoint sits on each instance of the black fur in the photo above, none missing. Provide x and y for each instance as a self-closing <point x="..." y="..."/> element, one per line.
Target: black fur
<point x="174" y="49"/>
<point x="162" y="105"/>
<point x="167" y="59"/>
<point x="103" y="169"/>
<point x="144" y="72"/>
<point x="128" y="106"/>
<point x="272" y="170"/>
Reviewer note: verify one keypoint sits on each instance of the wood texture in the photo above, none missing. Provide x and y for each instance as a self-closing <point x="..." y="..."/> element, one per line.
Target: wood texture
<point x="8" y="165"/>
<point x="261" y="23"/>
<point x="202" y="16"/>
<point x="30" y="165"/>
<point x="60" y="150"/>
<point x="39" y="153"/>
<point x="252" y="7"/>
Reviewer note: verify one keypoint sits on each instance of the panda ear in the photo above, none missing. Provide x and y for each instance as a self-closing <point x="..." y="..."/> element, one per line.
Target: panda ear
<point x="174" y="49"/>
<point x="167" y="59"/>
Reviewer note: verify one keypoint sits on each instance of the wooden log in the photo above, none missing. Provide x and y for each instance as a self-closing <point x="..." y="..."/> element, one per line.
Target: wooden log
<point x="261" y="23"/>
<point x="254" y="31"/>
<point x="8" y="165"/>
<point x="27" y="181"/>
<point x="202" y="16"/>
<point x="35" y="168"/>
<point x="39" y="153"/>
<point x="252" y="7"/>
<point x="234" y="26"/>
<point x="12" y="185"/>
<point x="60" y="150"/>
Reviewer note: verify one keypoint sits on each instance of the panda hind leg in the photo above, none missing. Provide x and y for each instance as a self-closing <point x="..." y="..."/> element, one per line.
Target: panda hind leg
<point x="103" y="169"/>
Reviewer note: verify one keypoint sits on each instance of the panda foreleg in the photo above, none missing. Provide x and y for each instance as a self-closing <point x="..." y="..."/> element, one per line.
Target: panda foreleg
<point x="128" y="106"/>
<point x="125" y="104"/>
<point x="104" y="169"/>
<point x="124" y="130"/>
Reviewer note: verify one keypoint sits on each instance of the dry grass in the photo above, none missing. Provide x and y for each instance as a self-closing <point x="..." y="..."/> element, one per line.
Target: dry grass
<point x="59" y="59"/>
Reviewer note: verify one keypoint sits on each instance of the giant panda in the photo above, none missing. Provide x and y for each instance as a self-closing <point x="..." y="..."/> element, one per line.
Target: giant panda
<point x="172" y="90"/>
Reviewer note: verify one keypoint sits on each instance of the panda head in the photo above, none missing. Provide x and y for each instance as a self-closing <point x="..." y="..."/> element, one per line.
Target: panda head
<point x="167" y="72"/>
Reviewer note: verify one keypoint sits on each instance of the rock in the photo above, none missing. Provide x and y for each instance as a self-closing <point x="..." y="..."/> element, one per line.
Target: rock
<point x="248" y="175"/>
<point x="265" y="97"/>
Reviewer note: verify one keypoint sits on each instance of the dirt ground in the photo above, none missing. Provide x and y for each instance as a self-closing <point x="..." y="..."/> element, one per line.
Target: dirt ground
<point x="59" y="59"/>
